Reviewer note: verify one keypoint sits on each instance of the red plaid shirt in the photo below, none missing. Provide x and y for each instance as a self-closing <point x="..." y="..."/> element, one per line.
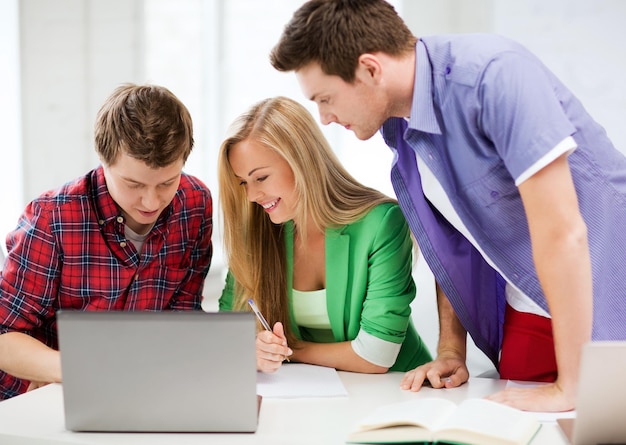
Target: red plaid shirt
<point x="69" y="252"/>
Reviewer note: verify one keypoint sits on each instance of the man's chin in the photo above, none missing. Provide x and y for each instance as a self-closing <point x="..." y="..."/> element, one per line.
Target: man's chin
<point x="141" y="224"/>
<point x="364" y="136"/>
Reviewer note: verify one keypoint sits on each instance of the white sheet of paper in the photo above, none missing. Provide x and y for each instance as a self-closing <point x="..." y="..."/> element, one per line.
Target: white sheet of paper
<point x="294" y="380"/>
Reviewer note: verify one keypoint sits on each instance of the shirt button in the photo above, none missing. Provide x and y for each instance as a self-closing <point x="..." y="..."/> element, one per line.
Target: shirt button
<point x="494" y="194"/>
<point x="136" y="277"/>
<point x="120" y="219"/>
<point x="101" y="221"/>
<point x="448" y="69"/>
<point x="123" y="244"/>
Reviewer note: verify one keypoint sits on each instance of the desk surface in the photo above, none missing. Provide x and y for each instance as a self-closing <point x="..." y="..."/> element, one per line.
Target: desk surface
<point x="36" y="418"/>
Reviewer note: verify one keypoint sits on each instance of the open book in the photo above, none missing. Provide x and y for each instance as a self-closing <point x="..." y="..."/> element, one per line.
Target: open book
<point x="433" y="420"/>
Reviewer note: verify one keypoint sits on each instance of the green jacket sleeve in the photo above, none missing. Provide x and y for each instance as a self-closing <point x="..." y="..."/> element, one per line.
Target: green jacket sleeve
<point x="390" y="286"/>
<point x="226" y="299"/>
<point x="380" y="286"/>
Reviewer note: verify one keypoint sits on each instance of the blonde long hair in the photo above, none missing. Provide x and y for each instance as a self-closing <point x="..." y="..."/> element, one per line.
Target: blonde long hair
<point x="326" y="193"/>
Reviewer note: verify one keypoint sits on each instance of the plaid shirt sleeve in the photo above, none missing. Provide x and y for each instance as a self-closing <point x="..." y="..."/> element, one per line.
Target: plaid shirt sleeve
<point x="28" y="285"/>
<point x="190" y="289"/>
<point x="29" y="280"/>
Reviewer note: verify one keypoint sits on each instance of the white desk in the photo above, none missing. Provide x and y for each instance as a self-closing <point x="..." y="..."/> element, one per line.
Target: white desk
<point x="36" y="418"/>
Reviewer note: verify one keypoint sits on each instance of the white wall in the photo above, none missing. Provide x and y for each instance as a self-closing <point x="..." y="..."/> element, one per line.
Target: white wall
<point x="73" y="53"/>
<point x="11" y="180"/>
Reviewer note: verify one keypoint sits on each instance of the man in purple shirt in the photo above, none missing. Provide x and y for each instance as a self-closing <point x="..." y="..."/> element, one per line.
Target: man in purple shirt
<point x="516" y="196"/>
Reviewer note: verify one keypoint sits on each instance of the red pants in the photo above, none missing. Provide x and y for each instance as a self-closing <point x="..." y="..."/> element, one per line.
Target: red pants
<point x="527" y="348"/>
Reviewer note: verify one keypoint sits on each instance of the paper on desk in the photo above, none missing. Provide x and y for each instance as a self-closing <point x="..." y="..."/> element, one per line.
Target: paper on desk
<point x="294" y="380"/>
<point x="546" y="417"/>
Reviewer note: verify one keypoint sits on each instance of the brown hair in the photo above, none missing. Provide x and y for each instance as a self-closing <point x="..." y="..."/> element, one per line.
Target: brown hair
<point x="326" y="193"/>
<point x="334" y="33"/>
<point x="146" y="122"/>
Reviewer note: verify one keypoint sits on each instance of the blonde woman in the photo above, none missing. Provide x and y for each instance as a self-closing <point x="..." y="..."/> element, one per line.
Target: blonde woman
<point x="326" y="259"/>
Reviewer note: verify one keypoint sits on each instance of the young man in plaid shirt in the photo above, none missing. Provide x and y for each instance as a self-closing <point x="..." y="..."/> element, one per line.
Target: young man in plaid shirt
<point x="132" y="234"/>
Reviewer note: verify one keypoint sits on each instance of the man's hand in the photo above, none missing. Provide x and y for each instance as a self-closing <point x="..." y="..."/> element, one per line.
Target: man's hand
<point x="448" y="370"/>
<point x="547" y="398"/>
<point x="444" y="372"/>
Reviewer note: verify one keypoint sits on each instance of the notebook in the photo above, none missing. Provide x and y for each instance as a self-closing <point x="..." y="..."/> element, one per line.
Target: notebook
<point x="189" y="371"/>
<point x="601" y="399"/>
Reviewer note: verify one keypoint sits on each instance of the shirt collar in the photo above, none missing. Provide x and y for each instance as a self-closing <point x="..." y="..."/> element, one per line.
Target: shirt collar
<point x="423" y="116"/>
<point x="106" y="208"/>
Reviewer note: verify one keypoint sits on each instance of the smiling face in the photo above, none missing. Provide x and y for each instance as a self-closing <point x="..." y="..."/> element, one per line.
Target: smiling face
<point x="357" y="106"/>
<point x="266" y="177"/>
<point x="142" y="192"/>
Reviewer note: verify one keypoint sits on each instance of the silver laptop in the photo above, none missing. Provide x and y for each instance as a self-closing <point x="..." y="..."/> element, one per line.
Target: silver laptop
<point x="601" y="399"/>
<point x="188" y="371"/>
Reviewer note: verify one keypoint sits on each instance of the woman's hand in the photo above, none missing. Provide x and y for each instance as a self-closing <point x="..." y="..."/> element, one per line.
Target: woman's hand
<point x="271" y="349"/>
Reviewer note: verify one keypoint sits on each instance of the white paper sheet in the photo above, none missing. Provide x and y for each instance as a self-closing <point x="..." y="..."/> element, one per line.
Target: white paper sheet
<point x="294" y="380"/>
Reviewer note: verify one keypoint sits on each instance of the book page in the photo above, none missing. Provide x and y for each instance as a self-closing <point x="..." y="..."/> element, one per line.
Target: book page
<point x="490" y="423"/>
<point x="428" y="413"/>
<point x="391" y="435"/>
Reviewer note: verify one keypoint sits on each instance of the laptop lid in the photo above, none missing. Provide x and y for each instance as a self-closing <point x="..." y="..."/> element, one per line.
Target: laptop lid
<point x="188" y="371"/>
<point x="601" y="399"/>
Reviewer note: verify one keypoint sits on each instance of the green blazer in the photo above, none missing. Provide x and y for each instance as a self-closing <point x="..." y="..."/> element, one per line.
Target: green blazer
<point x="369" y="284"/>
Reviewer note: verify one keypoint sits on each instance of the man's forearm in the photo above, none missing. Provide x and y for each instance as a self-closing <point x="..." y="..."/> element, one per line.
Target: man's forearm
<point x="452" y="334"/>
<point x="569" y="296"/>
<point x="27" y="358"/>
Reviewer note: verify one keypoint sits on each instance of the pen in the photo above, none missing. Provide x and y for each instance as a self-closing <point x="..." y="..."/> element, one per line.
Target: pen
<point x="261" y="318"/>
<point x="259" y="315"/>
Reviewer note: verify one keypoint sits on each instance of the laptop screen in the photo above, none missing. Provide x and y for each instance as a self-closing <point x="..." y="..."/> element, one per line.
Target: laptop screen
<point x="601" y="399"/>
<point x="158" y="371"/>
